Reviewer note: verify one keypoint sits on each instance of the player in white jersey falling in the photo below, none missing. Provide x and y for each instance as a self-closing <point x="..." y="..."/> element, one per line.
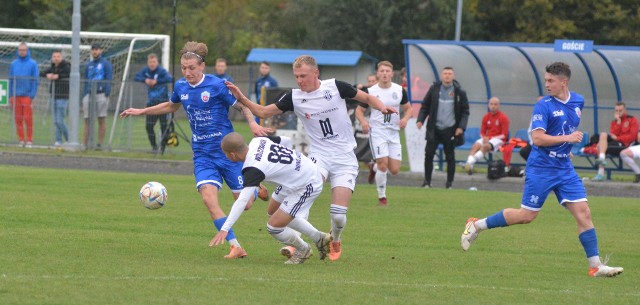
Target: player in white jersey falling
<point x="384" y="135"/>
<point x="321" y="107"/>
<point x="267" y="160"/>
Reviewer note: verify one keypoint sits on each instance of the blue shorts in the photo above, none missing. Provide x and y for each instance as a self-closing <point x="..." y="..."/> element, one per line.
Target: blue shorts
<point x="539" y="183"/>
<point x="211" y="168"/>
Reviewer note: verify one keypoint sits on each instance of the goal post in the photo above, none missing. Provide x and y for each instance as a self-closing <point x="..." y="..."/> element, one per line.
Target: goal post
<point x="127" y="52"/>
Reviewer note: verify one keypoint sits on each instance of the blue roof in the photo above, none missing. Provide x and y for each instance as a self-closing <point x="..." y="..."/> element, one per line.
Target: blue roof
<point x="323" y="57"/>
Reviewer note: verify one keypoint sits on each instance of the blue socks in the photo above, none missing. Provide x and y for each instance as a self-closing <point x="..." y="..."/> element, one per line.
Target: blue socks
<point x="219" y="222"/>
<point x="496" y="220"/>
<point x="589" y="242"/>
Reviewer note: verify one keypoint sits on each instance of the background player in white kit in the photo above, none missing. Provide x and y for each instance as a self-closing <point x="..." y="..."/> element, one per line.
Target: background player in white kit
<point x="269" y="161"/>
<point x="321" y="107"/>
<point x="384" y="137"/>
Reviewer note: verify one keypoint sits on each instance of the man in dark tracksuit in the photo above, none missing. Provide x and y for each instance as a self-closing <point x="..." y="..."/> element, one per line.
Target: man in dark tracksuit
<point x="447" y="108"/>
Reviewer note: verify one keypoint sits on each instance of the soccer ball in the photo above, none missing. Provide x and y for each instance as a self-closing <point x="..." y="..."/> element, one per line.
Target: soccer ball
<point x="153" y="195"/>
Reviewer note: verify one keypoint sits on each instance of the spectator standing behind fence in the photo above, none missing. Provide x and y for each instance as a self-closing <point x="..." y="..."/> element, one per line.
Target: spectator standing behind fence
<point x="494" y="131"/>
<point x="58" y="74"/>
<point x="99" y="73"/>
<point x="156" y="78"/>
<point x="623" y="131"/>
<point x="264" y="80"/>
<point x="221" y="70"/>
<point x="23" y="86"/>
<point x="447" y="108"/>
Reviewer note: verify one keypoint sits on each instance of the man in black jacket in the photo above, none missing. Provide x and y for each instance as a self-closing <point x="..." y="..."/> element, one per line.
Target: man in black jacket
<point x="58" y="73"/>
<point x="447" y="108"/>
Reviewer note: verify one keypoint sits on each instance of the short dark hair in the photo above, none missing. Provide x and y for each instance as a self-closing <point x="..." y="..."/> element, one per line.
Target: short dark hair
<point x="559" y="68"/>
<point x="447" y="68"/>
<point x="622" y="104"/>
<point x="265" y="63"/>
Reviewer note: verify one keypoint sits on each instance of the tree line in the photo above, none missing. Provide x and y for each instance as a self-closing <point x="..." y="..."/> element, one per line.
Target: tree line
<point x="231" y="28"/>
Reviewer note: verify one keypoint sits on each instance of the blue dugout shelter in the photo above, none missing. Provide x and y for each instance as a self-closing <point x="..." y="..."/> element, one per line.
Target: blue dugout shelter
<point x="514" y="72"/>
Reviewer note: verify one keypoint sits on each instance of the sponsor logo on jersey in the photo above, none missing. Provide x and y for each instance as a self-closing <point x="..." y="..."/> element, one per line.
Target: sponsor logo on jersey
<point x="394" y="96"/>
<point x="304" y="100"/>
<point x="197" y="138"/>
<point x="327" y="95"/>
<point x="578" y="112"/>
<point x="310" y="115"/>
<point x="204" y="96"/>
<point x="558" y="113"/>
<point x="537" y="117"/>
<point x="184" y="97"/>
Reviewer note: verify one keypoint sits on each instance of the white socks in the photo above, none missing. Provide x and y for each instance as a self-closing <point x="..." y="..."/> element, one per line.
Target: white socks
<point x="481" y="224"/>
<point x="381" y="182"/>
<point x="629" y="161"/>
<point x="234" y="242"/>
<point x="472" y="159"/>
<point x="601" y="156"/>
<point x="338" y="220"/>
<point x="287" y="236"/>
<point x="302" y="225"/>
<point x="594" y="261"/>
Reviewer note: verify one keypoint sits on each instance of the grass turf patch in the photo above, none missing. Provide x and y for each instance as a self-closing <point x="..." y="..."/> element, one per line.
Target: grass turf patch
<point x="82" y="237"/>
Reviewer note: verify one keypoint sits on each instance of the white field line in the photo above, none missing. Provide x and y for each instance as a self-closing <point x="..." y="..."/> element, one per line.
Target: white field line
<point x="311" y="281"/>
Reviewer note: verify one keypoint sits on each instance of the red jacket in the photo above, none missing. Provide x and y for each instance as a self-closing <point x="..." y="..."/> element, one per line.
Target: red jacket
<point x="494" y="125"/>
<point x="626" y="131"/>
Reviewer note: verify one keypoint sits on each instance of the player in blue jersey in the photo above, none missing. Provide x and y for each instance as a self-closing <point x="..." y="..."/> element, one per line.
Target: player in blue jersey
<point x="553" y="130"/>
<point x="206" y="100"/>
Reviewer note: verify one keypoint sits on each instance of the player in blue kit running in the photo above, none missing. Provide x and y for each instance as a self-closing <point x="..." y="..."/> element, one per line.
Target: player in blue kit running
<point x="206" y="100"/>
<point x="553" y="130"/>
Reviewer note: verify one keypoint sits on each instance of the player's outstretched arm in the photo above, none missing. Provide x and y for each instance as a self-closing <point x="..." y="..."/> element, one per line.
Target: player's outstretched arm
<point x="257" y="130"/>
<point x="263" y="112"/>
<point x="374" y="102"/>
<point x="236" y="210"/>
<point x="162" y="108"/>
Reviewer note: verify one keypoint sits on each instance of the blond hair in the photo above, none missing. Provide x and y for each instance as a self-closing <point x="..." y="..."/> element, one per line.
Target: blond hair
<point x="194" y="49"/>
<point x="305" y="60"/>
<point x="385" y="63"/>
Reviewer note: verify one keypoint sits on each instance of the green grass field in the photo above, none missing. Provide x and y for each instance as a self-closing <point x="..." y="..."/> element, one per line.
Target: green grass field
<point x="82" y="237"/>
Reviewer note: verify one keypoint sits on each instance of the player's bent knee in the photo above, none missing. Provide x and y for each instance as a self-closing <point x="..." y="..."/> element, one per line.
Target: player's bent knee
<point x="528" y="217"/>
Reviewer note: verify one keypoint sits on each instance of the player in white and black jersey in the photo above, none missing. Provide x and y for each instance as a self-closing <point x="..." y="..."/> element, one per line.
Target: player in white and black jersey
<point x="321" y="107"/>
<point x="266" y="160"/>
<point x="384" y="135"/>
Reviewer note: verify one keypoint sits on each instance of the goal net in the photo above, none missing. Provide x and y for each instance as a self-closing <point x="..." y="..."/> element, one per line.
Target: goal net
<point x="127" y="54"/>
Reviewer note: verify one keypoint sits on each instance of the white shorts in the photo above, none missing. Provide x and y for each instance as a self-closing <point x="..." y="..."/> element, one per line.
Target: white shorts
<point x="340" y="168"/>
<point x="297" y="203"/>
<point x="280" y="193"/>
<point x="635" y="150"/>
<point x="385" y="142"/>
<point x="102" y="102"/>
<point x="495" y="142"/>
